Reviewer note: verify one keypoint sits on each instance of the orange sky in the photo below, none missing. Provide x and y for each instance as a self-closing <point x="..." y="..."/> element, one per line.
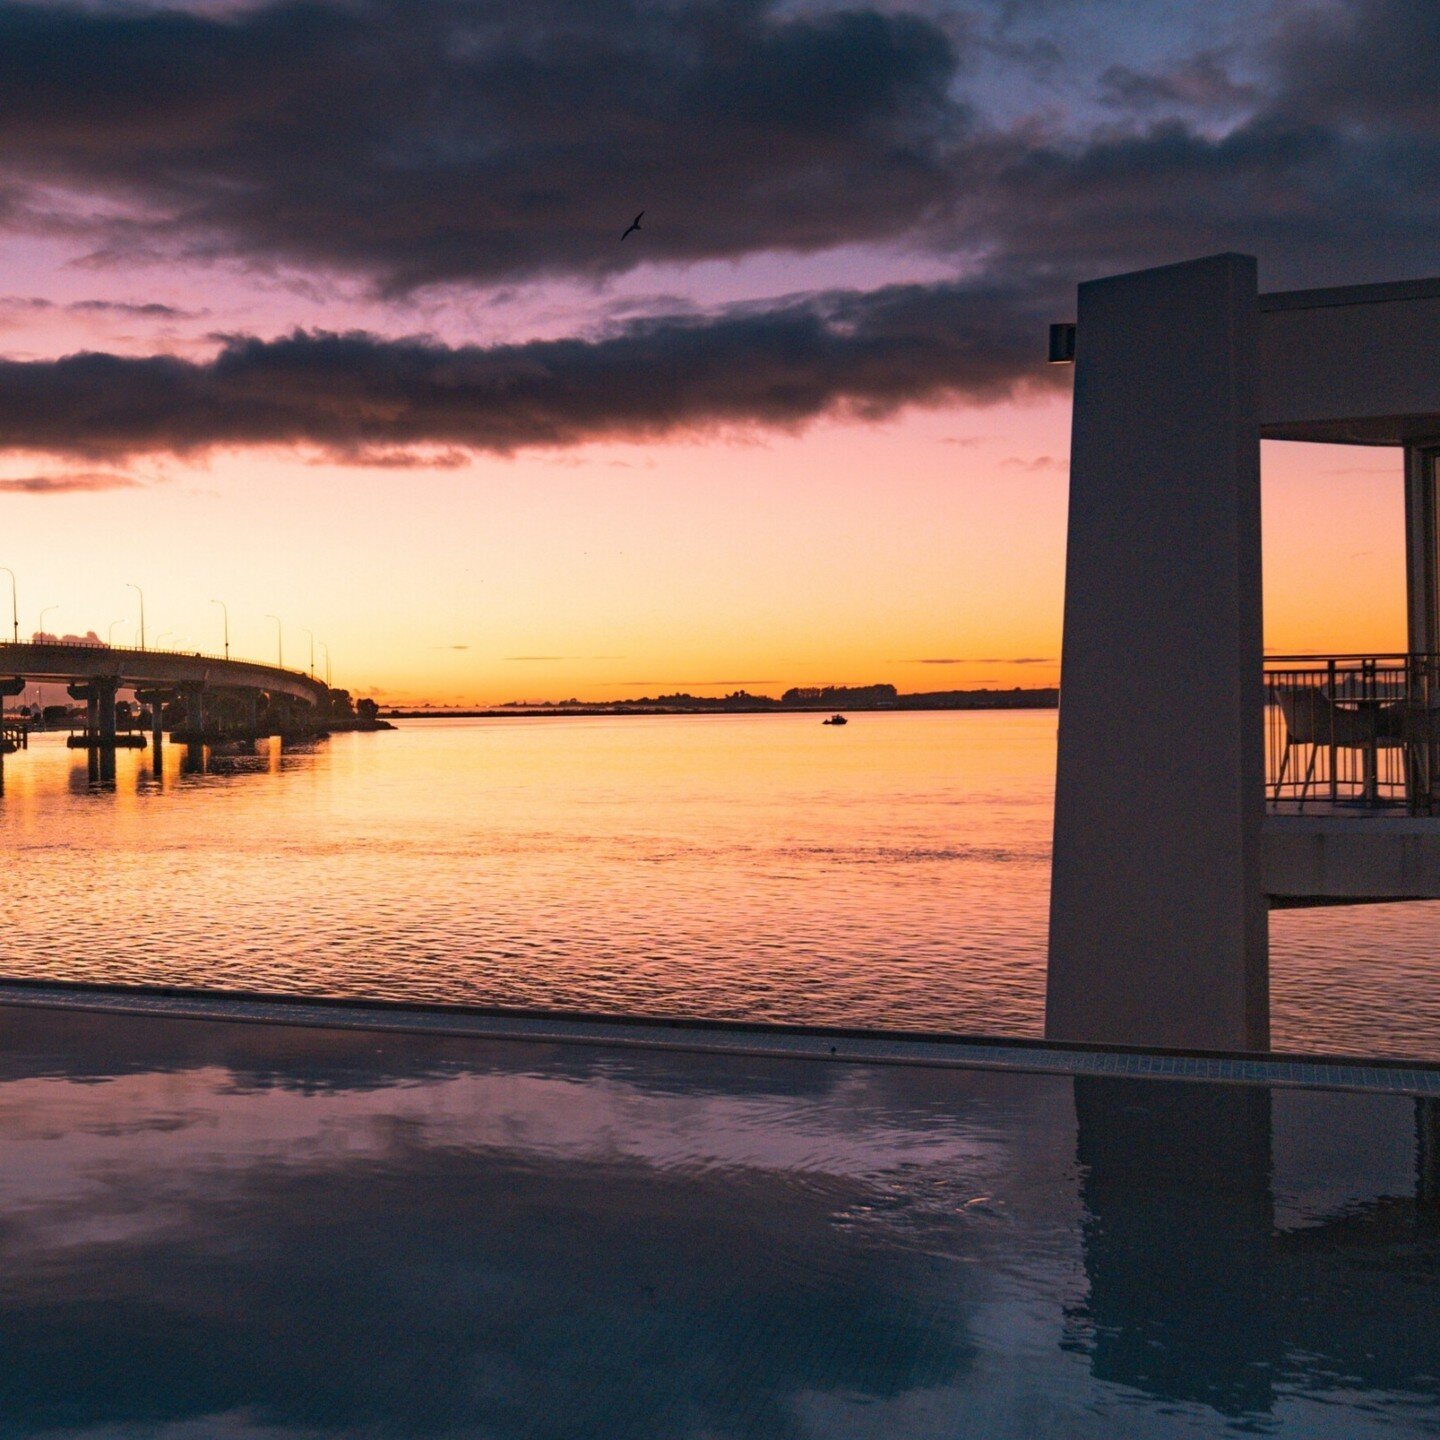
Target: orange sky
<point x="847" y="553"/>
<point x="867" y="205"/>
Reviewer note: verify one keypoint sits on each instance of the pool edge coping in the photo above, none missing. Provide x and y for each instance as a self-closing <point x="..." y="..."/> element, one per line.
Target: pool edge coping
<point x="836" y="1044"/>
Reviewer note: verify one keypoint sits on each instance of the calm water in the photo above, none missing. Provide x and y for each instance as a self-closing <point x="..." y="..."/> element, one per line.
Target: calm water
<point x="271" y="1234"/>
<point x="891" y="873"/>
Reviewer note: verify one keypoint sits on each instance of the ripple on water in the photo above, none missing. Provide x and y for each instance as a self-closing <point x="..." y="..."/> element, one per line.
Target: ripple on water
<point x="727" y="867"/>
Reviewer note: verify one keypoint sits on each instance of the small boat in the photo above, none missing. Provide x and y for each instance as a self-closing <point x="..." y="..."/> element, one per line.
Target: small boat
<point x="835" y="720"/>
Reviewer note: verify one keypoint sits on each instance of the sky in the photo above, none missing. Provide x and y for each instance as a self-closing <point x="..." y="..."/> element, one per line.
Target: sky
<point x="321" y="310"/>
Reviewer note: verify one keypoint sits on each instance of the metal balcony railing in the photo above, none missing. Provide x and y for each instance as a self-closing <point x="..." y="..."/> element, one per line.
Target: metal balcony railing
<point x="1353" y="730"/>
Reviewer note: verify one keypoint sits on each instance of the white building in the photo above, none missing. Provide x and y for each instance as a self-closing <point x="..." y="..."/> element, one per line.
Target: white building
<point x="1197" y="783"/>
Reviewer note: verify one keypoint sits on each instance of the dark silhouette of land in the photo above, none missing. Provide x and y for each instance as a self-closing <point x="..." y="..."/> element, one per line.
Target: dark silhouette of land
<point x="827" y="698"/>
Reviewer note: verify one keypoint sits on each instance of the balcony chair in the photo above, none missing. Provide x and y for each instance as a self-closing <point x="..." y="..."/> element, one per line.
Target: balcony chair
<point x="1312" y="718"/>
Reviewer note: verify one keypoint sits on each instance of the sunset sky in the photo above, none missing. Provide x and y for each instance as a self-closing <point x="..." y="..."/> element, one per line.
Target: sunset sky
<point x="322" y="310"/>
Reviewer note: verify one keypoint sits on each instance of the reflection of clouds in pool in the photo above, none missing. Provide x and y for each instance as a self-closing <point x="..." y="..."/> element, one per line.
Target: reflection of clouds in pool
<point x="217" y="1229"/>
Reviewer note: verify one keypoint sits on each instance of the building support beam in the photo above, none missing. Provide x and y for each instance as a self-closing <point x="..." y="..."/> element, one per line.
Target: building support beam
<point x="1422" y="603"/>
<point x="1422" y="548"/>
<point x="1158" y="914"/>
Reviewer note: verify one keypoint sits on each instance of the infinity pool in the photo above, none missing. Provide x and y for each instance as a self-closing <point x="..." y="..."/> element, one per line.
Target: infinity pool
<point x="234" y="1230"/>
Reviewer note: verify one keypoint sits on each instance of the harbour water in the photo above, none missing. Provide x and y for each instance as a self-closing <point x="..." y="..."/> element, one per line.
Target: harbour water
<point x="890" y="873"/>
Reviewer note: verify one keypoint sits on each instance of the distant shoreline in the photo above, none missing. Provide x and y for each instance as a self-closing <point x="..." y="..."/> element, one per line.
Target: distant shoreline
<point x="1040" y="699"/>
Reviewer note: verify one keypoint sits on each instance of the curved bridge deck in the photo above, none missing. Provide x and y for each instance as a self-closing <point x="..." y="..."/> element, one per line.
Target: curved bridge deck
<point x="55" y="661"/>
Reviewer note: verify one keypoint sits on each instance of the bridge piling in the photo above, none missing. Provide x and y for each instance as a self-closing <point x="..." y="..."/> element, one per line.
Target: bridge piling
<point x="194" y="709"/>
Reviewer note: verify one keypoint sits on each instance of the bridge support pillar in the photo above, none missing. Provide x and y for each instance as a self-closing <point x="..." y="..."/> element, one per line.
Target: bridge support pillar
<point x="86" y="692"/>
<point x="156" y="700"/>
<point x="195" y="709"/>
<point x="10" y="688"/>
<point x="104" y="706"/>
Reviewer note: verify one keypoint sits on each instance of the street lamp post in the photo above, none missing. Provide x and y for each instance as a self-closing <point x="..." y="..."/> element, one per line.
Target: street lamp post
<point x="225" y="611"/>
<point x="279" y="641"/>
<point x="131" y="585"/>
<point x="110" y="633"/>
<point x="43" y="614"/>
<point x="14" y="604"/>
<point x="311" y="634"/>
<point x="326" y="649"/>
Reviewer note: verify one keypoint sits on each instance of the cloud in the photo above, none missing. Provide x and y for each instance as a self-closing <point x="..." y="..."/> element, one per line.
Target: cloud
<point x="146" y="310"/>
<point x="415" y="143"/>
<point x="393" y="459"/>
<point x="489" y="144"/>
<point x="349" y="395"/>
<point x="949" y="660"/>
<point x="1035" y="463"/>
<point x="1200" y="82"/>
<point x="449" y="647"/>
<point x="67" y="483"/>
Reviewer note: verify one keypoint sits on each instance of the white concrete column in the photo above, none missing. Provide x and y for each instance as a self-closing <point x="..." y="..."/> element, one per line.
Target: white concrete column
<point x="1158" y="916"/>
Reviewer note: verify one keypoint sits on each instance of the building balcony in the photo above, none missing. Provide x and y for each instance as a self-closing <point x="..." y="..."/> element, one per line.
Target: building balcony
<point x="1352" y="778"/>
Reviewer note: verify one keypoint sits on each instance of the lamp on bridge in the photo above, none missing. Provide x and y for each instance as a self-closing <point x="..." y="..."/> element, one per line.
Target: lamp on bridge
<point x="130" y="585"/>
<point x="225" y="611"/>
<point x="43" y="614"/>
<point x="279" y="641"/>
<point x="14" y="604"/>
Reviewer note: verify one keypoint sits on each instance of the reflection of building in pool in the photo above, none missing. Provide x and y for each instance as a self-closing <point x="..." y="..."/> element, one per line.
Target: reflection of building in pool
<point x="1195" y="1294"/>
<point x="1171" y="836"/>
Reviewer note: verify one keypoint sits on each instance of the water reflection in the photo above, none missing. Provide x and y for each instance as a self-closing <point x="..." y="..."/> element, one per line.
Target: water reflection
<point x="721" y="866"/>
<point x="1197" y="1295"/>
<point x="250" y="1230"/>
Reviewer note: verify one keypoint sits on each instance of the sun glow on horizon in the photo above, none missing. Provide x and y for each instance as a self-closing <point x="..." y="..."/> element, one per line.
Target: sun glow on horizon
<point x="926" y="552"/>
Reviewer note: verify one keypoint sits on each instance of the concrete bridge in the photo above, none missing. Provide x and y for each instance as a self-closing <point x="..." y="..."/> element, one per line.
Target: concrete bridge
<point x="204" y="684"/>
<point x="56" y="662"/>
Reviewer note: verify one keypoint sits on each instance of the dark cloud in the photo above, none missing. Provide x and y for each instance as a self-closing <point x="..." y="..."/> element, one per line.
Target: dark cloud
<point x="67" y="483"/>
<point x="353" y="394"/>
<point x="1331" y="175"/>
<point x="484" y="141"/>
<point x="148" y="310"/>
<point x="488" y="142"/>
<point x="1198" y="82"/>
<point x="470" y="139"/>
<point x="1034" y="464"/>
<point x="392" y="459"/>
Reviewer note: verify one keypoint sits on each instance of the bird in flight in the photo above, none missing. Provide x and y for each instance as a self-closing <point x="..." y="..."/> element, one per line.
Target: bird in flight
<point x="634" y="224"/>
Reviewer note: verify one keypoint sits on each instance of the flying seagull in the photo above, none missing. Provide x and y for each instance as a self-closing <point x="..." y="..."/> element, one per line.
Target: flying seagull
<point x="634" y="224"/>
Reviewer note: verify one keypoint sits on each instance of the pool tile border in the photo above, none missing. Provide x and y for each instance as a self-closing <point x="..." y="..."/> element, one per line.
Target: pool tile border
<point x="793" y="1042"/>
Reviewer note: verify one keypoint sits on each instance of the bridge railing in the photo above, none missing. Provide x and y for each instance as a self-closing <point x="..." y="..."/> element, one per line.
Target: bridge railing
<point x="89" y="647"/>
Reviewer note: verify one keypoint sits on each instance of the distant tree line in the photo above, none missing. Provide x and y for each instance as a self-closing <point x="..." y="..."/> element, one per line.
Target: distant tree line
<point x="842" y="697"/>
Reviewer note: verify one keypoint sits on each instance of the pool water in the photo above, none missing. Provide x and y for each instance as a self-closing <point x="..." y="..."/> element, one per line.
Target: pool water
<point x="219" y="1229"/>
